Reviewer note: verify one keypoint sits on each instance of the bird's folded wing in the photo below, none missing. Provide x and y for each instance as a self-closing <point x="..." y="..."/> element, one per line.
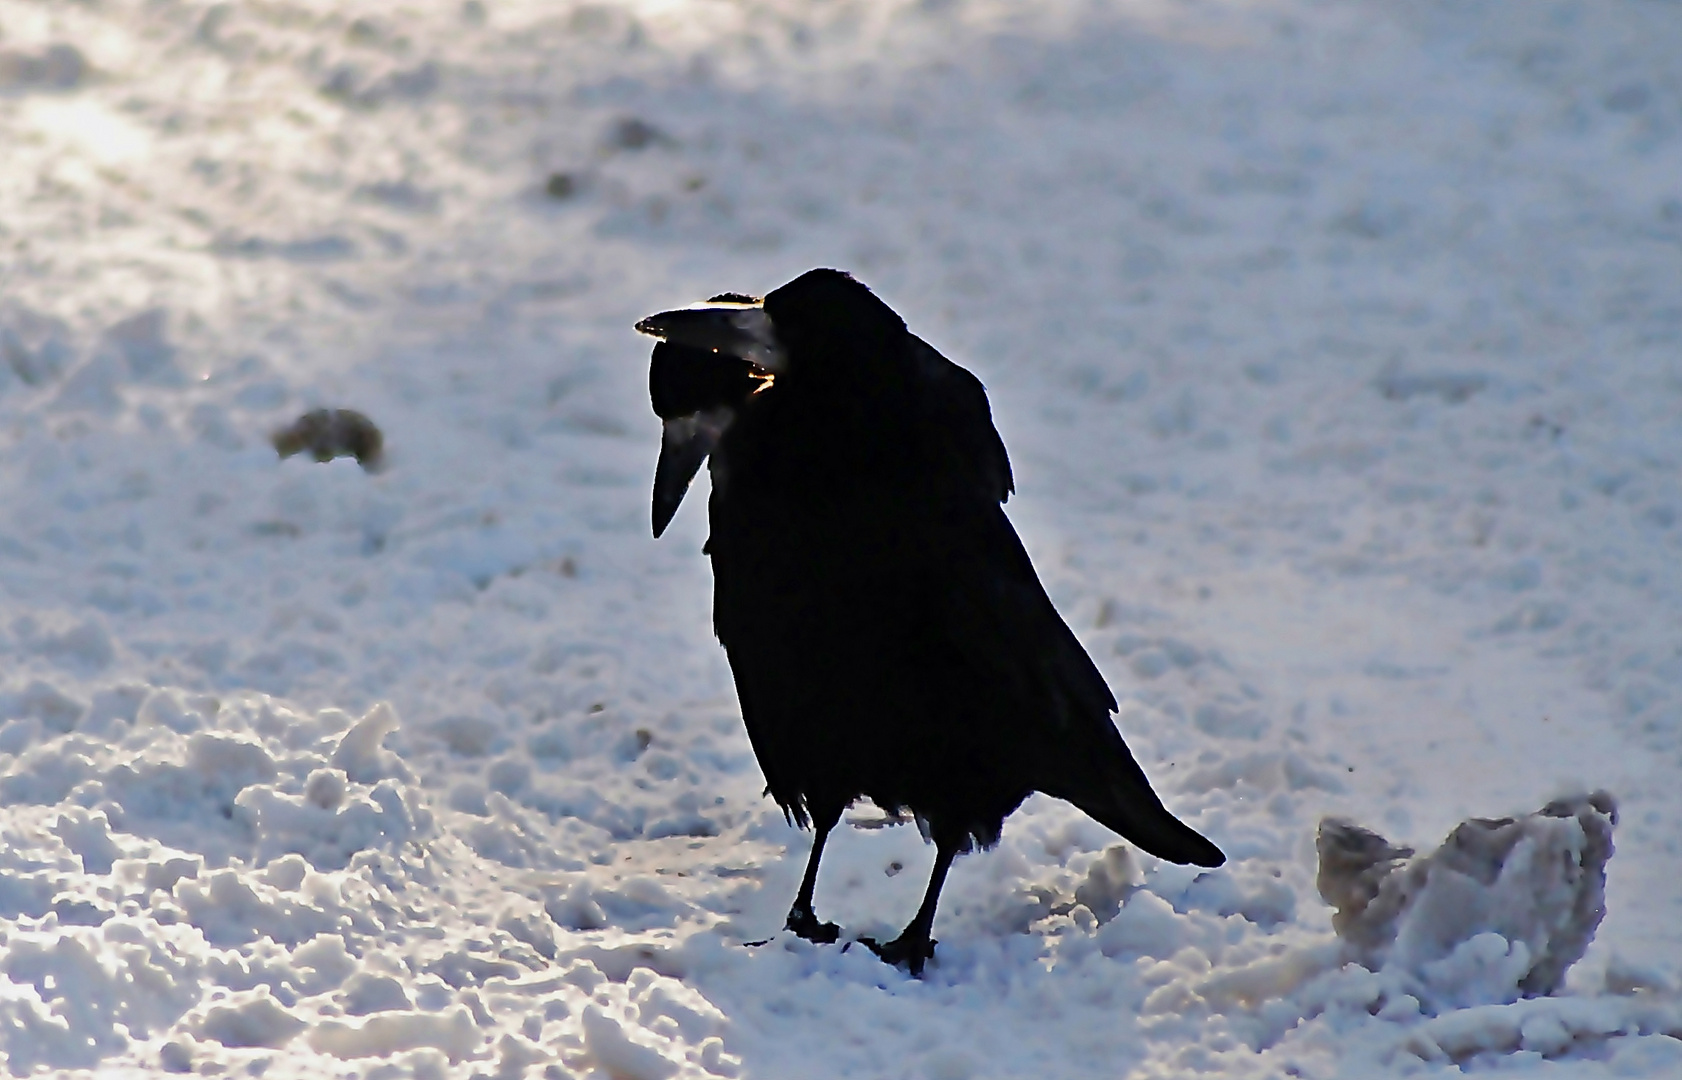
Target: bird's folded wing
<point x="997" y="620"/>
<point x="1042" y="694"/>
<point x="960" y="422"/>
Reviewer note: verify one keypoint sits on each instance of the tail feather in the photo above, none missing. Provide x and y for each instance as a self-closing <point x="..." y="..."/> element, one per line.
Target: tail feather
<point x="1153" y="829"/>
<point x="1109" y="787"/>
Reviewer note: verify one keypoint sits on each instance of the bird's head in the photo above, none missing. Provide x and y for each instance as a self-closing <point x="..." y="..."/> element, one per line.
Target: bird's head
<point x="824" y="330"/>
<point x="830" y="327"/>
<point x="823" y="325"/>
<point x="710" y="359"/>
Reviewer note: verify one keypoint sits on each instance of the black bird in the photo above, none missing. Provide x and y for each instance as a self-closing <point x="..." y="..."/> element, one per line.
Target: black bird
<point x="888" y="635"/>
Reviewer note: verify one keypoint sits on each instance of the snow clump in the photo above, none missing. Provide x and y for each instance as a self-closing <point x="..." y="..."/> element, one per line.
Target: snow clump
<point x="1500" y="911"/>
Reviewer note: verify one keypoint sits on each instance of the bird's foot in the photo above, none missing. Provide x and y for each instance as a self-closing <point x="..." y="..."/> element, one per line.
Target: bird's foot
<point x="806" y="925"/>
<point x="910" y="951"/>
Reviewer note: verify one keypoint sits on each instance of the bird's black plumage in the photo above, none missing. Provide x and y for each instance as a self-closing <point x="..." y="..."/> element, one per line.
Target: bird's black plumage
<point x="888" y="635"/>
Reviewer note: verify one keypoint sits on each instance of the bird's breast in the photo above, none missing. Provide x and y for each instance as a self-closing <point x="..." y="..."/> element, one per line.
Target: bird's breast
<point x="814" y="568"/>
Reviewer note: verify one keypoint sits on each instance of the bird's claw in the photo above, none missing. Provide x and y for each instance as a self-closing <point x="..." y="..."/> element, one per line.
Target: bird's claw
<point x="909" y="952"/>
<point x="806" y="925"/>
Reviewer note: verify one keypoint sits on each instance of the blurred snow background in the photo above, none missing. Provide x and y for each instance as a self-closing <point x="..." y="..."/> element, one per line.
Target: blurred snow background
<point x="1338" y="347"/>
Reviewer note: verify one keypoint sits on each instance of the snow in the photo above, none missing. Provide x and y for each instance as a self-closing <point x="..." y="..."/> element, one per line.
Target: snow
<point x="1501" y="910"/>
<point x="1336" y="347"/>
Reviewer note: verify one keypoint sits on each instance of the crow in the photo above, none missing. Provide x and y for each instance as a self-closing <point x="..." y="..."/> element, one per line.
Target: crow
<point x="888" y="636"/>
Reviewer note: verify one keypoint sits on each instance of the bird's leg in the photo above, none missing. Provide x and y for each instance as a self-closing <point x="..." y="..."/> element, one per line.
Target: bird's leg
<point x="914" y="947"/>
<point x="801" y="919"/>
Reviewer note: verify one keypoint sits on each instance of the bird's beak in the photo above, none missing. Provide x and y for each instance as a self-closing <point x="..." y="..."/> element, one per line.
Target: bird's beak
<point x="684" y="444"/>
<point x="743" y="330"/>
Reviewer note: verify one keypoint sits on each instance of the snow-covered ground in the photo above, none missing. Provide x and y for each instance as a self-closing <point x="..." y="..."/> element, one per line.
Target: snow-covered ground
<point x="1338" y="347"/>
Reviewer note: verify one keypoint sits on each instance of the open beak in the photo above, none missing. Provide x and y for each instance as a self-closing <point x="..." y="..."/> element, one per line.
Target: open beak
<point x="734" y="329"/>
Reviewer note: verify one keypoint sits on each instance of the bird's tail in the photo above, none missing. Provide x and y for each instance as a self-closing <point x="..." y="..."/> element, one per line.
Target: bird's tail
<point x="1115" y="792"/>
<point x="1155" y="830"/>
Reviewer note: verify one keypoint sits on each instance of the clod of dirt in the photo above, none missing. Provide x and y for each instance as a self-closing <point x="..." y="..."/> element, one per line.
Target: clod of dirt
<point x="634" y="133"/>
<point x="331" y="433"/>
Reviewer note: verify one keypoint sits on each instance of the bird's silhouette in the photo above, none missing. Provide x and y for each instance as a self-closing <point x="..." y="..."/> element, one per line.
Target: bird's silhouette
<point x="887" y="633"/>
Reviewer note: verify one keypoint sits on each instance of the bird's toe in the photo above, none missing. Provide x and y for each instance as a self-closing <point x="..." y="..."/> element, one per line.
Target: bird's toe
<point x="908" y="951"/>
<point x="806" y="925"/>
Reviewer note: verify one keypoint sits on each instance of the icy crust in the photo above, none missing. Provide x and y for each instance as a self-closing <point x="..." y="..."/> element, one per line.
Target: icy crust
<point x="188" y="848"/>
<point x="1501" y="910"/>
<point x="244" y="780"/>
<point x="190" y="879"/>
<point x="195" y="879"/>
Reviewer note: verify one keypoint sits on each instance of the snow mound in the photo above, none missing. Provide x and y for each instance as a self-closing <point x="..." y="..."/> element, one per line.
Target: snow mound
<point x="187" y="878"/>
<point x="1500" y="911"/>
<point x="246" y="778"/>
